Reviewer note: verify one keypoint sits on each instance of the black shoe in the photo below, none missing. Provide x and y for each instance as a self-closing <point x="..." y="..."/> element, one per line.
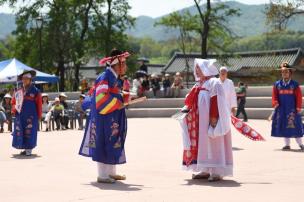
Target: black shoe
<point x="245" y="120"/>
<point x="286" y="148"/>
<point x="1" y="130"/>
<point x="301" y="147"/>
<point x="23" y="153"/>
<point x="46" y="130"/>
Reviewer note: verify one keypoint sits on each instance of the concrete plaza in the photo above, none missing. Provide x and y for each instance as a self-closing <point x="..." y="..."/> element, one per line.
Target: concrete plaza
<point x="154" y="149"/>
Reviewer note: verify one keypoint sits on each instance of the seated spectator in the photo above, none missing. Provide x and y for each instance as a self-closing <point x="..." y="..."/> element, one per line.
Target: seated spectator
<point x="155" y="84"/>
<point x="167" y="85"/>
<point x="145" y="84"/>
<point x="177" y="85"/>
<point x="7" y="106"/>
<point x="136" y="88"/>
<point x="62" y="98"/>
<point x="2" y="119"/>
<point x="58" y="112"/>
<point x="46" y="106"/>
<point x="80" y="114"/>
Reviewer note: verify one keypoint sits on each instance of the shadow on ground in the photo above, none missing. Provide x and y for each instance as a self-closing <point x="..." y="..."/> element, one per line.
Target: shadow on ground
<point x="18" y="156"/>
<point x="118" y="186"/>
<point x="237" y="149"/>
<point x="291" y="150"/>
<point x="222" y="183"/>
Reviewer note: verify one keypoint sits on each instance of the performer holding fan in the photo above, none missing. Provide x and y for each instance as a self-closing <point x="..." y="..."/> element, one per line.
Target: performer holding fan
<point x="287" y="101"/>
<point x="206" y="127"/>
<point x="106" y="128"/>
<point x="27" y="107"/>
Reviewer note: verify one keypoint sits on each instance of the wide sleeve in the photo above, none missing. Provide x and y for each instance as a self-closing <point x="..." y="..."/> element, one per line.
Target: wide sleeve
<point x="298" y="94"/>
<point x="38" y="101"/>
<point x="220" y="109"/>
<point x="275" y="100"/>
<point x="233" y="97"/>
<point x="105" y="102"/>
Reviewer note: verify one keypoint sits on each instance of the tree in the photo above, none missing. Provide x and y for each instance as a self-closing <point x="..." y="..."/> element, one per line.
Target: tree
<point x="213" y="21"/>
<point x="70" y="32"/>
<point x="280" y="12"/>
<point x="186" y="24"/>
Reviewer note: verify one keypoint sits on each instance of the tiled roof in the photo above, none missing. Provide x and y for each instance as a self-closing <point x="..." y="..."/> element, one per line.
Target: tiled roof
<point x="155" y="68"/>
<point x="253" y="61"/>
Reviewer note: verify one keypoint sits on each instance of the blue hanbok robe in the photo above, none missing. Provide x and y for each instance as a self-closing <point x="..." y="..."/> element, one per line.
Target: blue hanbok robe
<point x="105" y="132"/>
<point x="286" y="120"/>
<point x="26" y="122"/>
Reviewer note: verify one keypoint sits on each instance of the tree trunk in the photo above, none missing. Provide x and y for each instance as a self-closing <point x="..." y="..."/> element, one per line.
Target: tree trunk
<point x="61" y="75"/>
<point x="76" y="74"/>
<point x="109" y="28"/>
<point x="205" y="32"/>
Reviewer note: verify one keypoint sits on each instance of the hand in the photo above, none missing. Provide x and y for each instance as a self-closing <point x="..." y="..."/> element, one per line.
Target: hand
<point x="233" y="110"/>
<point x="299" y="110"/>
<point x="213" y="122"/>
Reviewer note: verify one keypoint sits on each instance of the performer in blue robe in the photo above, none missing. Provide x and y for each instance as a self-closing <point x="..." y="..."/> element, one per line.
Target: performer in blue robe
<point x="287" y="101"/>
<point x="27" y="106"/>
<point x="106" y="129"/>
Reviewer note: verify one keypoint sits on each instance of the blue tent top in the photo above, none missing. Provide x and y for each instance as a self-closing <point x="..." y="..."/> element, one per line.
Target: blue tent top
<point x="10" y="69"/>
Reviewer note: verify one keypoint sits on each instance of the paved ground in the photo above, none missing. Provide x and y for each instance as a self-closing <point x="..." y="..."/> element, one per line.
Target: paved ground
<point x="57" y="173"/>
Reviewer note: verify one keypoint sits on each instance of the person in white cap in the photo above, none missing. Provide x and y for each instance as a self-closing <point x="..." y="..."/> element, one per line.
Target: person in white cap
<point x="46" y="106"/>
<point x="62" y="98"/>
<point x="27" y="107"/>
<point x="206" y="127"/>
<point x="58" y="112"/>
<point x="177" y="85"/>
<point x="228" y="89"/>
<point x="7" y="109"/>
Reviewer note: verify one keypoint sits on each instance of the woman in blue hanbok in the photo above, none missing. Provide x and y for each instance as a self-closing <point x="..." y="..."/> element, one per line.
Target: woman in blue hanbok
<point x="106" y="127"/>
<point x="287" y="101"/>
<point x="27" y="107"/>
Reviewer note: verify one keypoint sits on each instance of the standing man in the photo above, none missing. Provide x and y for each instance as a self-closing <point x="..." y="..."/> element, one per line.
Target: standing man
<point x="241" y="97"/>
<point x="80" y="113"/>
<point x="287" y="101"/>
<point x="206" y="128"/>
<point x="27" y="106"/>
<point x="105" y="134"/>
<point x="229" y="89"/>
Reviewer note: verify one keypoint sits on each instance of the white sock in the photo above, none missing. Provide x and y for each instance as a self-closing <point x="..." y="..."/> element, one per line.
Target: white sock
<point x="105" y="170"/>
<point x="299" y="141"/>
<point x="287" y="141"/>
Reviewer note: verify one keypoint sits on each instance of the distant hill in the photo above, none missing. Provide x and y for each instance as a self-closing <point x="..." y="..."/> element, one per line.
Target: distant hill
<point x="7" y="24"/>
<point x="250" y="23"/>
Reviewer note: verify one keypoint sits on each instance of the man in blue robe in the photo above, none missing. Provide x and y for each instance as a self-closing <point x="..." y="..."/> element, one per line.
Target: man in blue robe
<point x="287" y="101"/>
<point x="27" y="107"/>
<point x="106" y="129"/>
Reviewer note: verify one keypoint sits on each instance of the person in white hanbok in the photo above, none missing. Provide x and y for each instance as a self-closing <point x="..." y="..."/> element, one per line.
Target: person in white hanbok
<point x="206" y="128"/>
<point x="228" y="89"/>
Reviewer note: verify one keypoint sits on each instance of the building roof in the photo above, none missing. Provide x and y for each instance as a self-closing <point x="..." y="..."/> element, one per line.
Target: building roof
<point x="155" y="68"/>
<point x="258" y="61"/>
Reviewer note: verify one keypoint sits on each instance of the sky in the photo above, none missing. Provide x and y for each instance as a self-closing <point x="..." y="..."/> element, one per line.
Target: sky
<point x="157" y="8"/>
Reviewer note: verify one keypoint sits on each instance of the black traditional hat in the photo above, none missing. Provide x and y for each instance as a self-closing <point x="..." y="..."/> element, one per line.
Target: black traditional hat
<point x="31" y="72"/>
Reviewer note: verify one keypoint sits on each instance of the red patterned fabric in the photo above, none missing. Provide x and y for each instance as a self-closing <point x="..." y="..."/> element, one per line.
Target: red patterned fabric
<point x="246" y="130"/>
<point x="192" y="120"/>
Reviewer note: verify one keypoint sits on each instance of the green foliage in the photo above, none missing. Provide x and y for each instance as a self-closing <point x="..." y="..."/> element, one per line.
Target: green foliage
<point x="269" y="41"/>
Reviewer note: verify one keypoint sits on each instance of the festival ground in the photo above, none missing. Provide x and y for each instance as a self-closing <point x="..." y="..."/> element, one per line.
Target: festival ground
<point x="57" y="173"/>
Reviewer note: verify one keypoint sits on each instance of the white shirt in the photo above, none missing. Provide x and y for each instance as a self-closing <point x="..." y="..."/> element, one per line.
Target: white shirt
<point x="229" y="93"/>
